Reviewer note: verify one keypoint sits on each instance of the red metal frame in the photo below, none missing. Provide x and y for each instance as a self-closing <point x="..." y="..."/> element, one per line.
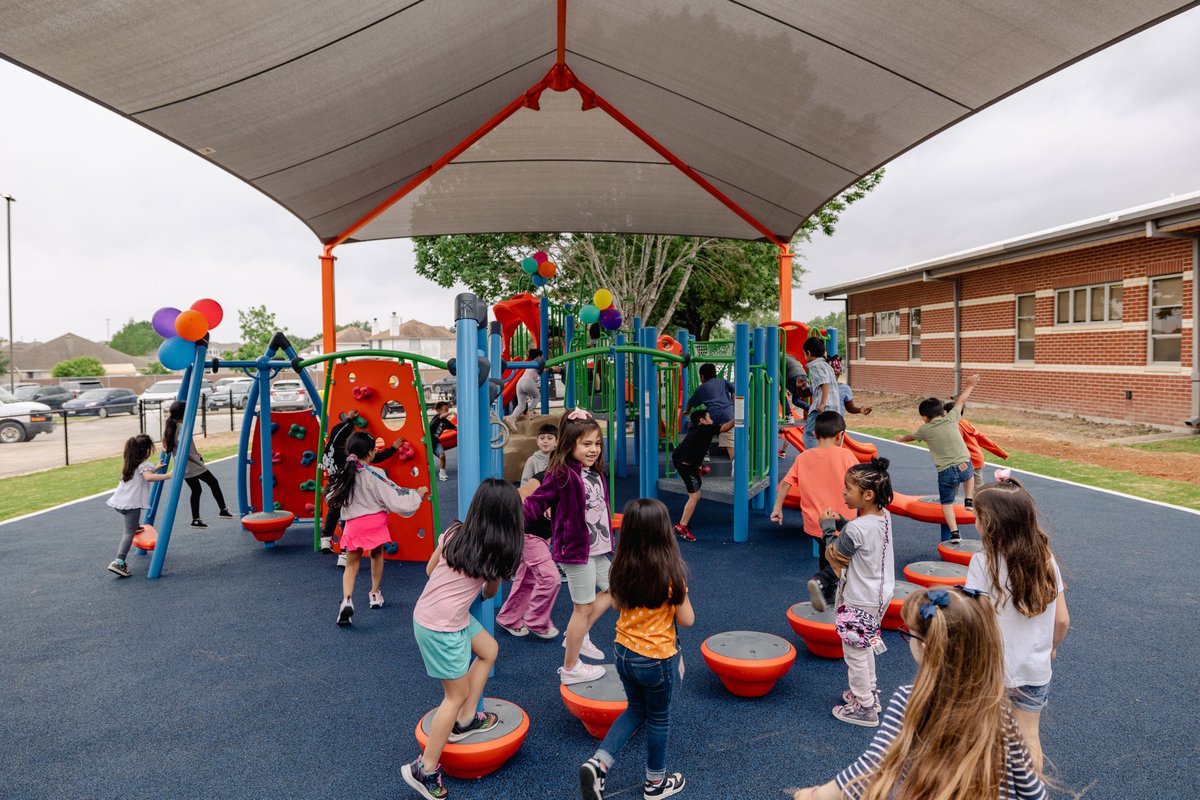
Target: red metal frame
<point x="559" y="78"/>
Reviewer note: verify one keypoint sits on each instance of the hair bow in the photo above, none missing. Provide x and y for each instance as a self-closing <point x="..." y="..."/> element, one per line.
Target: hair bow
<point x="1003" y="475"/>
<point x="579" y="413"/>
<point x="971" y="592"/>
<point x="934" y="598"/>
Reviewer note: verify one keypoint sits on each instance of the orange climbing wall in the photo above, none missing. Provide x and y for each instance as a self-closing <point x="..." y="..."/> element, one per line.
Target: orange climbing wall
<point x="367" y="386"/>
<point x="287" y="465"/>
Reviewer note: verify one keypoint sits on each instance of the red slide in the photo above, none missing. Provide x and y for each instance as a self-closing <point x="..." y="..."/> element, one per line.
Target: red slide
<point x="520" y="309"/>
<point x="863" y="452"/>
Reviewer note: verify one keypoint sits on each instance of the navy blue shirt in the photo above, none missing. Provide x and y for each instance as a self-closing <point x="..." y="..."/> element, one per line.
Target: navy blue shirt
<point x="716" y="396"/>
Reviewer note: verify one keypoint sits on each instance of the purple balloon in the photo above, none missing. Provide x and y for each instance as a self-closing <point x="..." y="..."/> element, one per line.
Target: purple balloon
<point x="610" y="318"/>
<point x="163" y="321"/>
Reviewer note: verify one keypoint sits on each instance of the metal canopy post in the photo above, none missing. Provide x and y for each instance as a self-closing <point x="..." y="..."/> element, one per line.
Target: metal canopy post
<point x="757" y="416"/>
<point x="466" y="324"/>
<point x="620" y="448"/>
<point x="771" y="397"/>
<point x="741" y="439"/>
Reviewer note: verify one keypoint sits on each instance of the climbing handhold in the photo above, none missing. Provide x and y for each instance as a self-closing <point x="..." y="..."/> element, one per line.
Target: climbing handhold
<point x="362" y="392"/>
<point x="274" y="427"/>
<point x="307" y="458"/>
<point x="308" y="486"/>
<point x="390" y="548"/>
<point x="360" y="422"/>
<point x="278" y="506"/>
<point x="297" y="431"/>
<point x="276" y="458"/>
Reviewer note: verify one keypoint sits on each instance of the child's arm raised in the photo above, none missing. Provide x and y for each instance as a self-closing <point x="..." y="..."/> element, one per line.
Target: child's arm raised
<point x="969" y="384"/>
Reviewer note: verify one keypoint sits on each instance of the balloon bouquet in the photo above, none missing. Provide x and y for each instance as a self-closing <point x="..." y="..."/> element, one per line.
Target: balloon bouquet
<point x="603" y="310"/>
<point x="183" y="329"/>
<point x="539" y="267"/>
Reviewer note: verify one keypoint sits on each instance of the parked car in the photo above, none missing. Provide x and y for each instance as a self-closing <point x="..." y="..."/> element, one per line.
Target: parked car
<point x="443" y="389"/>
<point x="103" y="402"/>
<point x="234" y="393"/>
<point x="21" y="420"/>
<point x="78" y="387"/>
<point x="167" y="391"/>
<point x="289" y="396"/>
<point x="53" y="396"/>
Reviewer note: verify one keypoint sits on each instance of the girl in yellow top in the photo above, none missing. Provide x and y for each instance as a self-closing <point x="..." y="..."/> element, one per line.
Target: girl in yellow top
<point x="648" y="582"/>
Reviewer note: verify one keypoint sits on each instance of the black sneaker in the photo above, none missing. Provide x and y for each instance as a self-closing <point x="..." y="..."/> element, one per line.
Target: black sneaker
<point x="969" y="503"/>
<point x="225" y="514"/>
<point x="955" y="537"/>
<point x="816" y="594"/>
<point x="672" y="784"/>
<point x="428" y="786"/>
<point x="483" y="721"/>
<point x="591" y="780"/>
<point x="199" y="523"/>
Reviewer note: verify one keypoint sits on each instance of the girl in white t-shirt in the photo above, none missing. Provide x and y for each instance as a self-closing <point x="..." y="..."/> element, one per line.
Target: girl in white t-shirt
<point x="1017" y="568"/>
<point x="133" y="495"/>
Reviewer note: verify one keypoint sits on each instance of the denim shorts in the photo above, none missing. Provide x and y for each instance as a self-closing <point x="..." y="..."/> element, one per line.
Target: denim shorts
<point x="447" y="654"/>
<point x="950" y="478"/>
<point x="1029" y="698"/>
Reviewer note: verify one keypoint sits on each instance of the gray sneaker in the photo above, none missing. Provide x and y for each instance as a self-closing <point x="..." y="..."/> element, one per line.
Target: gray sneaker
<point x="847" y="697"/>
<point x="119" y="568"/>
<point x="857" y="715"/>
<point x="816" y="595"/>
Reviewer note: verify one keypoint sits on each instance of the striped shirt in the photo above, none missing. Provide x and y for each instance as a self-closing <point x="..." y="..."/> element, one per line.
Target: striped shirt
<point x="1020" y="780"/>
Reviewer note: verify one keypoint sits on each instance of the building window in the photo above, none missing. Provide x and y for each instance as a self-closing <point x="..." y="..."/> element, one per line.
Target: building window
<point x="1166" y="319"/>
<point x="1025" y="326"/>
<point x="862" y="336"/>
<point x="887" y="323"/>
<point x="914" y="335"/>
<point x="1098" y="303"/>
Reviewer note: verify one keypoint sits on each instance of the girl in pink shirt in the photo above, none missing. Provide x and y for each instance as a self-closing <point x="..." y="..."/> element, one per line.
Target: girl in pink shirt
<point x="475" y="554"/>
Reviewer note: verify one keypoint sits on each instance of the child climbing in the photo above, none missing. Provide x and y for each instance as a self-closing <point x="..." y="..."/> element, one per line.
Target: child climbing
<point x="951" y="733"/>
<point x="475" y="554"/>
<point x="547" y="438"/>
<point x="437" y="426"/>
<point x="649" y="587"/>
<point x="1020" y="573"/>
<point x="529" y="387"/>
<point x="867" y="554"/>
<point x="823" y="383"/>
<point x="949" y="453"/>
<point x="818" y="474"/>
<point x="333" y="459"/>
<point x="195" y="472"/>
<point x="688" y="459"/>
<point x="364" y="497"/>
<point x="575" y="490"/>
<point x="133" y="495"/>
<point x="716" y="395"/>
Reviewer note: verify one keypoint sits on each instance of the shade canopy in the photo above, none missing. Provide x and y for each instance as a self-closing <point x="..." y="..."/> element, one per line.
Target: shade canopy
<point x="711" y="117"/>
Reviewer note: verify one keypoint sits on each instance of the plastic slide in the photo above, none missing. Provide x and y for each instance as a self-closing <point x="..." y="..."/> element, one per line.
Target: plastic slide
<point x="520" y="309"/>
<point x="862" y="451"/>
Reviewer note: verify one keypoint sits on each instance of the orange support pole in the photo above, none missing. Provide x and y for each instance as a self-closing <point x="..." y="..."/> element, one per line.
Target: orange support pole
<point x="785" y="283"/>
<point x="328" y="307"/>
<point x="562" y="32"/>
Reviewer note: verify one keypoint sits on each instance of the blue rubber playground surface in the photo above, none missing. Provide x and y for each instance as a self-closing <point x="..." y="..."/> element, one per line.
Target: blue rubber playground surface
<point x="228" y="678"/>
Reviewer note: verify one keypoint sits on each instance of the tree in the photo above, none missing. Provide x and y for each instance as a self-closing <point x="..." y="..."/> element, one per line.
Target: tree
<point x="487" y="264"/>
<point x="258" y="326"/>
<point x="81" y="367"/>
<point x="155" y="368"/>
<point x="136" y="339"/>
<point x="836" y="320"/>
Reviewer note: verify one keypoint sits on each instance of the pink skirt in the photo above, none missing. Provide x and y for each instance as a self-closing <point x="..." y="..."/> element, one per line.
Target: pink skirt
<point x="366" y="532"/>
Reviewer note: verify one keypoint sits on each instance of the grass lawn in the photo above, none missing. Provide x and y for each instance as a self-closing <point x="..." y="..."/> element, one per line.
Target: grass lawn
<point x="1189" y="445"/>
<point x="25" y="494"/>
<point x="1177" y="493"/>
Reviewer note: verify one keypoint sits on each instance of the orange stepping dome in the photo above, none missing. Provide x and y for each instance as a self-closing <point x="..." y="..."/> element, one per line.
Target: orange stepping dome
<point x="928" y="509"/>
<point x="748" y="662"/>
<point x="268" y="526"/>
<point x="892" y="621"/>
<point x="936" y="573"/>
<point x="616" y="521"/>
<point x="485" y="752"/>
<point x="598" y="703"/>
<point x="145" y="538"/>
<point x="960" y="553"/>
<point x="816" y="628"/>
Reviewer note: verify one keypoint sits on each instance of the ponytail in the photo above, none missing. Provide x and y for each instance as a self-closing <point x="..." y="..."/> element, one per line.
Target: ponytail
<point x="137" y="449"/>
<point x="874" y="477"/>
<point x="171" y="429"/>
<point x="339" y="492"/>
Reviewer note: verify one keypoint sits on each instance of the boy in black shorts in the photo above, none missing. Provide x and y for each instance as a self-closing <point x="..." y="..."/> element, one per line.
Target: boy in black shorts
<point x="688" y="459"/>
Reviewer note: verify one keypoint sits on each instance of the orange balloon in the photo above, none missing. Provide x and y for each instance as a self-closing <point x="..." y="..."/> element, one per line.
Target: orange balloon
<point x="191" y="325"/>
<point x="547" y="269"/>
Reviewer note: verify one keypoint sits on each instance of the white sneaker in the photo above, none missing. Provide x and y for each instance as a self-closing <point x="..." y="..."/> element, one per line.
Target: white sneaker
<point x="519" y="630"/>
<point x="552" y="633"/>
<point x="588" y="649"/>
<point x="375" y="600"/>
<point x="580" y="673"/>
<point x="341" y="562"/>
<point x="442" y="476"/>
<point x="345" y="612"/>
<point x="326" y="544"/>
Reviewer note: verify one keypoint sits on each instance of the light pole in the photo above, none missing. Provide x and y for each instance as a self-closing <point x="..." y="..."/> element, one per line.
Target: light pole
<point x="12" y="367"/>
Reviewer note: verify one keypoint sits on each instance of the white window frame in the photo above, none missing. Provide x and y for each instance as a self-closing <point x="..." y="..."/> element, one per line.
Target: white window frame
<point x="862" y="335"/>
<point x="1017" y="340"/>
<point x="1151" y="335"/>
<point x="887" y="323"/>
<point x="1070" y="294"/>
<point x="914" y="341"/>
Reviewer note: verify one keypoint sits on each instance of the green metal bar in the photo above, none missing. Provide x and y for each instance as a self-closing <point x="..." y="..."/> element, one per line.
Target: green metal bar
<point x="433" y="481"/>
<point x="396" y="354"/>
<point x="318" y="518"/>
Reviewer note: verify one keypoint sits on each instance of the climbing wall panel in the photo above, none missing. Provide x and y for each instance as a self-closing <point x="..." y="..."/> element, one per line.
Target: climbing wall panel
<point x="295" y="446"/>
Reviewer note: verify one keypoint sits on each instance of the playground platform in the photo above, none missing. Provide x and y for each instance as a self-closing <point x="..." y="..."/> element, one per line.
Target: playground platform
<point x="228" y="677"/>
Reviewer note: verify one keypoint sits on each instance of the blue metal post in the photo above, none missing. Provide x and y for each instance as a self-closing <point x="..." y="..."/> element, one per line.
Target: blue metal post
<point x="264" y="434"/>
<point x="649" y="465"/>
<point x="771" y="393"/>
<point x="192" y="380"/>
<point x="569" y="345"/>
<point x="466" y="330"/>
<point x="682" y="337"/>
<point x="620" y="448"/>
<point x="757" y="415"/>
<point x="485" y="406"/>
<point x="495" y="345"/>
<point x="741" y="439"/>
<point x="544" y="325"/>
<point x="244" y="462"/>
<point x="831" y="347"/>
<point x="637" y="389"/>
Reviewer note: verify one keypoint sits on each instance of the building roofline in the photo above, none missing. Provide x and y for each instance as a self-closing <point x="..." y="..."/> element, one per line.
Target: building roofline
<point x="1164" y="215"/>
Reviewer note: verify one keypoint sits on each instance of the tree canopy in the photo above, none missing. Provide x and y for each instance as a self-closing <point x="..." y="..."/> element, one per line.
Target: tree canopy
<point x="81" y="367"/>
<point x="258" y="326"/>
<point x="136" y="338"/>
<point x="836" y="320"/>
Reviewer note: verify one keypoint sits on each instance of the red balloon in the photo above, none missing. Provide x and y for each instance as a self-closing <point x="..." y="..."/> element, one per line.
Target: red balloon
<point x="211" y="310"/>
<point x="540" y="256"/>
<point x="191" y="325"/>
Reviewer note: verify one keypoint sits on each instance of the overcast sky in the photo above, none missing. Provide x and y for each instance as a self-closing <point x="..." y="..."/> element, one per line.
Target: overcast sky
<point x="111" y="221"/>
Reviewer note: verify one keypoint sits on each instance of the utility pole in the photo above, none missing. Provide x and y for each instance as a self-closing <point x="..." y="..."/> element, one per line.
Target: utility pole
<point x="12" y="367"/>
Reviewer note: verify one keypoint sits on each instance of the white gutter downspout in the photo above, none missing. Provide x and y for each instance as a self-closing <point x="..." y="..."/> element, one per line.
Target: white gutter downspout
<point x="1153" y="232"/>
<point x="927" y="277"/>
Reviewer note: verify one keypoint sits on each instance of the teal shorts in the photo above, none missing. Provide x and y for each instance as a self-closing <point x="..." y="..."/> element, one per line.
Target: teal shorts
<point x="447" y="654"/>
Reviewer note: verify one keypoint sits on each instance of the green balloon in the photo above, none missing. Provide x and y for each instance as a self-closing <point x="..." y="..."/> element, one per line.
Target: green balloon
<point x="589" y="314"/>
<point x="529" y="265"/>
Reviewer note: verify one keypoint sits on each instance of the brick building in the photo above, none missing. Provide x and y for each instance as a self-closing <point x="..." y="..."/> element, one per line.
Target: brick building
<point x="1096" y="318"/>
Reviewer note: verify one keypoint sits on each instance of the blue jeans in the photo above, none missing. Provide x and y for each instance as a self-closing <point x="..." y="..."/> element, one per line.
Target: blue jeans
<point x="948" y="482"/>
<point x="648" y="685"/>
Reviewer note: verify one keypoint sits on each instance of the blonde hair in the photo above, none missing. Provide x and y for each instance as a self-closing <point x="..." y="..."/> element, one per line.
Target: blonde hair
<point x="953" y="742"/>
<point x="1007" y="520"/>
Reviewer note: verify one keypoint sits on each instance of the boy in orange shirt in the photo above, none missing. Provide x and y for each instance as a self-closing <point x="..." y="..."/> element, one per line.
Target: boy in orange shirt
<point x="819" y="475"/>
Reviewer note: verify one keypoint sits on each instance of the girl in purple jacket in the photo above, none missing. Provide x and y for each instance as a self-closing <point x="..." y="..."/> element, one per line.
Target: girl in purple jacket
<point x="581" y="534"/>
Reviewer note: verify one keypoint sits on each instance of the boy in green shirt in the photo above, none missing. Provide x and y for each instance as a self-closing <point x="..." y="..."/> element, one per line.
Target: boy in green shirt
<point x="950" y="456"/>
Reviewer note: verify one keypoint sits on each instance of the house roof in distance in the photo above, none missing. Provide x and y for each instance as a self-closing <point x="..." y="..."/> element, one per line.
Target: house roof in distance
<point x="415" y="329"/>
<point x="45" y="355"/>
<point x="1174" y="214"/>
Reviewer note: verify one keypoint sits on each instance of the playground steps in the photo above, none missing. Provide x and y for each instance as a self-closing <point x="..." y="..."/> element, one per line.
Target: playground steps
<point x="719" y="489"/>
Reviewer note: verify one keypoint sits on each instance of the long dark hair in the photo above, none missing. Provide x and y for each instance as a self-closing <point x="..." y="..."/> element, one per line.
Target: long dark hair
<point x="137" y="449"/>
<point x="491" y="540"/>
<point x="1007" y="520"/>
<point x="571" y="431"/>
<point x="171" y="429"/>
<point x="340" y="490"/>
<point x="647" y="570"/>
<point x="873" y="477"/>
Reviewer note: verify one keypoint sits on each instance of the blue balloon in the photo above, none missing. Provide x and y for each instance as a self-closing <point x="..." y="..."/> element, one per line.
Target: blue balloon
<point x="539" y="281"/>
<point x="176" y="353"/>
